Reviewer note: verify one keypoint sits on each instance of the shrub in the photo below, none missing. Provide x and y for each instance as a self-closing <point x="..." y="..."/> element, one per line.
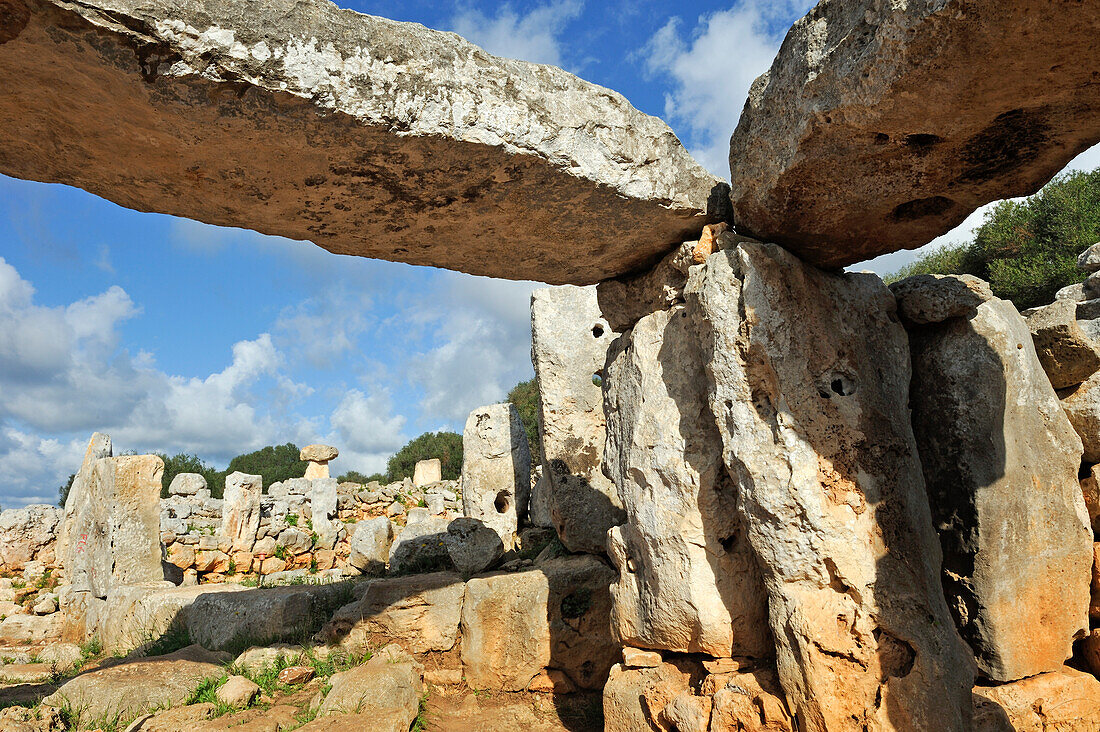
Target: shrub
<point x="447" y="446"/>
<point x="1027" y="250"/>
<point x="274" y="463"/>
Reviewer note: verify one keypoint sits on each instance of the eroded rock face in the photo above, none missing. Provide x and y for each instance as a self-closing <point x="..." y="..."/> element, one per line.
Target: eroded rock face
<point x="687" y="579"/>
<point x="241" y="510"/>
<point x="1000" y="460"/>
<point x="496" y="469"/>
<point x="879" y="125"/>
<point x="99" y="446"/>
<point x="386" y="689"/>
<point x="323" y="504"/>
<point x="809" y="376"/>
<point x="1067" y="353"/>
<point x="114" y="538"/>
<point x="569" y="342"/>
<point x="1066" y="700"/>
<point x="364" y="135"/>
<point x="29" y="534"/>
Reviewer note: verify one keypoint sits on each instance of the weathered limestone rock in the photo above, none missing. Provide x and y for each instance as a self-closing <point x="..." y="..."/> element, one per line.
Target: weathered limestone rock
<point x="237" y="691"/>
<point x="187" y="484"/>
<point x="569" y="341"/>
<point x="20" y="629"/>
<point x="115" y="535"/>
<point x="370" y="545"/>
<point x="134" y="616"/>
<point x="29" y="534"/>
<point x="1082" y="406"/>
<point x="99" y="446"/>
<point x="879" y="125"/>
<point x="132" y="688"/>
<point x="924" y="299"/>
<point x="421" y="612"/>
<point x="386" y="689"/>
<point x="809" y="376"/>
<point x="1067" y="354"/>
<point x="317" y="458"/>
<point x="421" y="547"/>
<point x="1000" y="462"/>
<point x="472" y="546"/>
<point x="241" y="510"/>
<point x="688" y="581"/>
<point x="1090" y="491"/>
<point x="634" y="698"/>
<point x="751" y="701"/>
<point x="365" y="135"/>
<point x="223" y="620"/>
<point x="556" y="616"/>
<point x="496" y="469"/>
<point x="1089" y="260"/>
<point x="323" y="504"/>
<point x="427" y="472"/>
<point x="1065" y="701"/>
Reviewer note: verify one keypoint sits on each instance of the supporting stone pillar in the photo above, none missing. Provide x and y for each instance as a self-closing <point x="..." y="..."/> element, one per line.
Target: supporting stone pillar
<point x="688" y="580"/>
<point x="1000" y="458"/>
<point x="809" y="382"/>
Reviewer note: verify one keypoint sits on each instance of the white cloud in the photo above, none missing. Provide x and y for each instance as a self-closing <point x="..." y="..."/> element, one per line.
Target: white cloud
<point x="483" y="328"/>
<point x="711" y="72"/>
<point x="366" y="430"/>
<point x="323" y="328"/>
<point x="530" y="37"/>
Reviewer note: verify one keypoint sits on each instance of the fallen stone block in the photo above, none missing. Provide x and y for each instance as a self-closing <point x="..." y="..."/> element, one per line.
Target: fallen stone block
<point x="386" y="689"/>
<point x="1067" y="354"/>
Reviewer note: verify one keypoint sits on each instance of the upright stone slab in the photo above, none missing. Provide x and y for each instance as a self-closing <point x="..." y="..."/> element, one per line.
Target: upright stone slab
<point x="241" y="510"/>
<point x="323" y="504"/>
<point x="1000" y="460"/>
<point x="569" y="342"/>
<point x="301" y="119"/>
<point x="427" y="472"/>
<point x="809" y="383"/>
<point x="688" y="580"/>
<point x="882" y="125"/>
<point x="496" y="469"/>
<point x="115" y="537"/>
<point x="99" y="446"/>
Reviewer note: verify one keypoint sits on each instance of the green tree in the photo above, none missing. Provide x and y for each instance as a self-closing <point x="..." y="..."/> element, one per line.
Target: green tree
<point x="447" y="446"/>
<point x="275" y="463"/>
<point x="63" y="491"/>
<point x="1027" y="250"/>
<point x="354" y="476"/>
<point x="525" y="397"/>
<point x="184" y="463"/>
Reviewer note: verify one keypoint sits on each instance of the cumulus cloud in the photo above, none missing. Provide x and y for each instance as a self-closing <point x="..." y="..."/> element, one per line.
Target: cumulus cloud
<point x="483" y="331"/>
<point x="710" y="68"/>
<point x="366" y="430"/>
<point x="530" y="37"/>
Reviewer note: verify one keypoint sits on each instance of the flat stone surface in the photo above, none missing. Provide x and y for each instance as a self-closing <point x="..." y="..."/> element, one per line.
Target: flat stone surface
<point x="364" y="135"/>
<point x="882" y="125"/>
<point x="1000" y="461"/>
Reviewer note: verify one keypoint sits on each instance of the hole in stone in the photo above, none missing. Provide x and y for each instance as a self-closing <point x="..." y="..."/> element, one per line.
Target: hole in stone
<point x="836" y="384"/>
<point x="922" y="141"/>
<point x="597" y="330"/>
<point x="597" y="379"/>
<point x="503" y="502"/>
<point x="881" y="138"/>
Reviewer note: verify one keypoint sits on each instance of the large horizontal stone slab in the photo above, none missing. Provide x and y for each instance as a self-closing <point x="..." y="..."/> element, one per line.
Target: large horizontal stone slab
<point x="882" y="125"/>
<point x="364" y="135"/>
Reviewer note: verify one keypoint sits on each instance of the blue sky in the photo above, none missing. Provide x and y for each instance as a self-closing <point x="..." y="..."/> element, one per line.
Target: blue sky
<point x="172" y="335"/>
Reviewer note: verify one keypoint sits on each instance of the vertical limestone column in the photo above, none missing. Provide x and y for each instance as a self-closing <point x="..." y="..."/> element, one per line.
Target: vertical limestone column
<point x="569" y="342"/>
<point x="241" y="510"/>
<point x="1001" y="460"/>
<point x="496" y="469"/>
<point x="323" y="505"/>
<point x="808" y="374"/>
